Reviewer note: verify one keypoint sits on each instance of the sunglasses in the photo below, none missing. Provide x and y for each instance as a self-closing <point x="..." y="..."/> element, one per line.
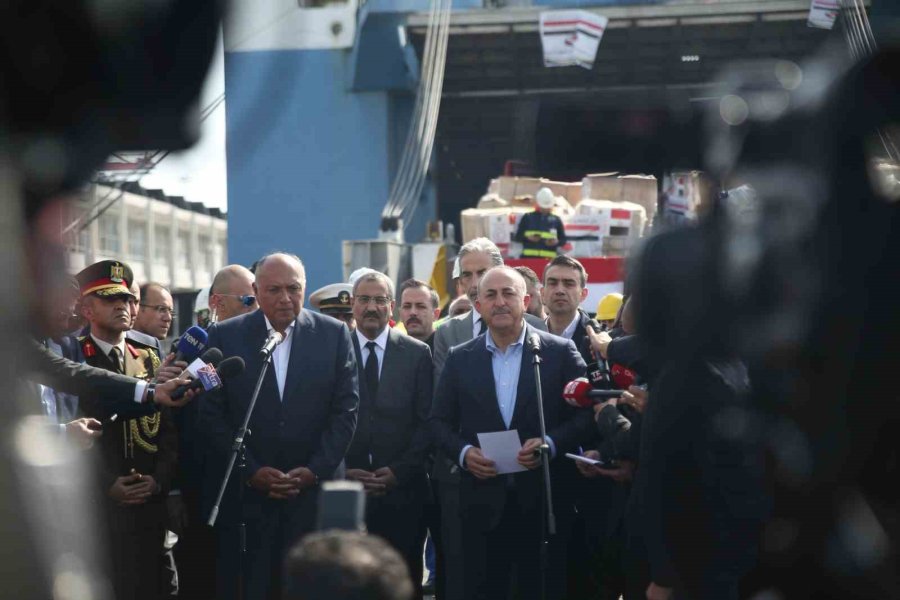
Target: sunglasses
<point x="246" y="299"/>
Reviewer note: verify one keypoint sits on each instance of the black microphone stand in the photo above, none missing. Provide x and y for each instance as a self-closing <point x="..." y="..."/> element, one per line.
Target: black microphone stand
<point x="548" y="525"/>
<point x="237" y="451"/>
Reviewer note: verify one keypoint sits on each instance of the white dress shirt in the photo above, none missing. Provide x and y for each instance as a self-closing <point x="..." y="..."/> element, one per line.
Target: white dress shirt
<point x="281" y="356"/>
<point x="380" y="345"/>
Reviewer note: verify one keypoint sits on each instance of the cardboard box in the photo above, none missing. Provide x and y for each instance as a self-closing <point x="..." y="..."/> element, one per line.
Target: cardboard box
<point x="518" y="190"/>
<point x="686" y="195"/>
<point x="639" y="189"/>
<point x="492" y="200"/>
<point x="585" y="235"/>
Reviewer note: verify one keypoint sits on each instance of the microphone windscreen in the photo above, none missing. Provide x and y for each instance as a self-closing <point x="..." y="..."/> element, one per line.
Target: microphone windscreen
<point x="231" y="366"/>
<point x="212" y="356"/>
<point x="622" y="378"/>
<point x="576" y="392"/>
<point x="192" y="343"/>
<point x="534" y="342"/>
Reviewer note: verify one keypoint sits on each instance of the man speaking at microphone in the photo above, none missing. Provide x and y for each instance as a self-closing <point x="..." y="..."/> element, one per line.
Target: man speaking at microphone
<point x="300" y="430"/>
<point x="488" y="385"/>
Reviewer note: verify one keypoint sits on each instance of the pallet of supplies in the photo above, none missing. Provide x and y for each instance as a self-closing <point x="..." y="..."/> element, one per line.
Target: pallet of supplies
<point x="686" y="195"/>
<point x="621" y="224"/>
<point x="639" y="189"/>
<point x="585" y="235"/>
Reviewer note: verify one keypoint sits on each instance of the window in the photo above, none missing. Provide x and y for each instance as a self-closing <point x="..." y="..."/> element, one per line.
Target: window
<point x="137" y="239"/>
<point x="161" y="243"/>
<point x="110" y="238"/>
<point x="205" y="249"/>
<point x="183" y="249"/>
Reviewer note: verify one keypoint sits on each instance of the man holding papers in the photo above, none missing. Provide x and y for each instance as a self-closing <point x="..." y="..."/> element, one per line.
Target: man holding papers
<point x="486" y="395"/>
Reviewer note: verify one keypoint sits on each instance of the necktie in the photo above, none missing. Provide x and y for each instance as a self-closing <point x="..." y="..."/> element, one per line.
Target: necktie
<point x="372" y="371"/>
<point x="483" y="327"/>
<point x="116" y="360"/>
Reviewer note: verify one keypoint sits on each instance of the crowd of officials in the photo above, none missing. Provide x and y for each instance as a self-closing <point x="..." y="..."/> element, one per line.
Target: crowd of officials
<point x="397" y="406"/>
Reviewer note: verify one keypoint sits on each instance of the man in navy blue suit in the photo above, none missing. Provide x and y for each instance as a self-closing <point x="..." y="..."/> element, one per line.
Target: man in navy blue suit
<point x="488" y="385"/>
<point x="300" y="431"/>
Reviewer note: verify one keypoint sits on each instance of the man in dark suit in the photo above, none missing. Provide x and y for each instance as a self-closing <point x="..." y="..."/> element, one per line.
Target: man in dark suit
<point x="487" y="385"/>
<point x="597" y="541"/>
<point x="301" y="426"/>
<point x="389" y="448"/>
<point x="475" y="259"/>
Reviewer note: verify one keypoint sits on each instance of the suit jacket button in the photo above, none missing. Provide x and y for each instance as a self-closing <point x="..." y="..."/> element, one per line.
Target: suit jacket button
<point x="281" y="423"/>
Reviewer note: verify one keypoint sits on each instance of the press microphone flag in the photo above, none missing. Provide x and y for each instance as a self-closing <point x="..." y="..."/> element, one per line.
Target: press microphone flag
<point x="581" y="393"/>
<point x="212" y="356"/>
<point x="191" y="344"/>
<point x="209" y="378"/>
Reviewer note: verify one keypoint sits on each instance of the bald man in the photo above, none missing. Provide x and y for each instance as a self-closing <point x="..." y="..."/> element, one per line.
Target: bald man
<point x="231" y="293"/>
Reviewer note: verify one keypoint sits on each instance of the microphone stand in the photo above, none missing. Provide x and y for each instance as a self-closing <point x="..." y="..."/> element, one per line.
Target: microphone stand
<point x="548" y="524"/>
<point x="238" y="451"/>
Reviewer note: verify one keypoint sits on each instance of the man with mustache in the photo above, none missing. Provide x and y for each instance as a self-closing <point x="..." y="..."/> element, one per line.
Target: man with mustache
<point x="487" y="386"/>
<point x="387" y="454"/>
<point x="475" y="259"/>
<point x="138" y="455"/>
<point x="419" y="307"/>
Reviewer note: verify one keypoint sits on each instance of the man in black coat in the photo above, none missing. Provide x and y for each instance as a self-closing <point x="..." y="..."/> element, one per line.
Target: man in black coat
<point x="300" y="430"/>
<point x="487" y="385"/>
<point x="595" y="564"/>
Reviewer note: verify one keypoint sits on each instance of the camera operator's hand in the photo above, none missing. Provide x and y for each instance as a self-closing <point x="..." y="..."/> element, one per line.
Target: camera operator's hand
<point x="170" y="369"/>
<point x="599" y="341"/>
<point x="528" y="456"/>
<point x="622" y="473"/>
<point x="656" y="592"/>
<point x="478" y="465"/>
<point x="586" y="470"/>
<point x="636" y="398"/>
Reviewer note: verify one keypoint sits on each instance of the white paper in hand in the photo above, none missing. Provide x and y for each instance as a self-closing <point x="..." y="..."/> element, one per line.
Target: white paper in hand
<point x="502" y="447"/>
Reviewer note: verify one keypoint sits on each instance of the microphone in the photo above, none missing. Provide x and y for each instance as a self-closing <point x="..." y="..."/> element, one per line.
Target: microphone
<point x="622" y="377"/>
<point x="533" y="341"/>
<point x="273" y="340"/>
<point x="191" y="344"/>
<point x="212" y="356"/>
<point x="581" y="393"/>
<point x="208" y="378"/>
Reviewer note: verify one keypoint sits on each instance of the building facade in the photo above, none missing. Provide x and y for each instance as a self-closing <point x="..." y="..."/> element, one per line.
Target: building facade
<point x="164" y="239"/>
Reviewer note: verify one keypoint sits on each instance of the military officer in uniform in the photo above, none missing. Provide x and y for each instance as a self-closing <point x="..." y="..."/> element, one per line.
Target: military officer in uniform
<point x="334" y="300"/>
<point x="136" y="457"/>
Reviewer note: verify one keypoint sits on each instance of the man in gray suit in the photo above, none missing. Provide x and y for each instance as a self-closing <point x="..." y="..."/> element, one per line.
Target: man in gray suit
<point x="388" y="451"/>
<point x="475" y="259"/>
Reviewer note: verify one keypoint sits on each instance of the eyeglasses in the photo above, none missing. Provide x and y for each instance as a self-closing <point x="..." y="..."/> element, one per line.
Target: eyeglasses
<point x="161" y="309"/>
<point x="379" y="300"/>
<point x="246" y="299"/>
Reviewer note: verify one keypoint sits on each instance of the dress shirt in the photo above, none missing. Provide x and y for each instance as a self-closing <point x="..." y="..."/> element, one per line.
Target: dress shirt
<point x="380" y="345"/>
<point x="506" y="366"/>
<point x="569" y="331"/>
<point x="105" y="347"/>
<point x="281" y="355"/>
<point x="476" y="323"/>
